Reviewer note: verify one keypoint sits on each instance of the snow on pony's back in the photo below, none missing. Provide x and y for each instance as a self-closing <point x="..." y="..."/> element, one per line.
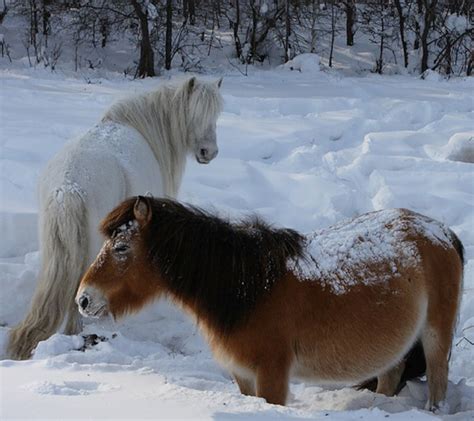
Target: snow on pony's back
<point x="368" y="249"/>
<point x="304" y="63"/>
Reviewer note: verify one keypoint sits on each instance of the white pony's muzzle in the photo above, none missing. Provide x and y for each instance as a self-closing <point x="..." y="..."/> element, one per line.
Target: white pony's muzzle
<point x="205" y="155"/>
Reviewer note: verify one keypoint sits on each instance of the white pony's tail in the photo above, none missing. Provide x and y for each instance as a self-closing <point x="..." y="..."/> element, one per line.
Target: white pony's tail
<point x="64" y="247"/>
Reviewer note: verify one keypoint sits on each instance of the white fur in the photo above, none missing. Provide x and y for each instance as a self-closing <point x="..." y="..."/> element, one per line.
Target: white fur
<point x="139" y="147"/>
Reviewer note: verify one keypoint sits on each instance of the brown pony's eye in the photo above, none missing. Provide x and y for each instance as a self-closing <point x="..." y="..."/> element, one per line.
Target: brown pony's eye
<point x="121" y="248"/>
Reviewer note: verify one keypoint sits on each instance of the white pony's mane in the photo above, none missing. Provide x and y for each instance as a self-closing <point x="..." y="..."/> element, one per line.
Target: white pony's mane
<point x="165" y="118"/>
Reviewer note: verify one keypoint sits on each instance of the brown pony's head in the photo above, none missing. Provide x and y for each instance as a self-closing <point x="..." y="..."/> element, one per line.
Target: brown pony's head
<point x="160" y="246"/>
<point x="119" y="281"/>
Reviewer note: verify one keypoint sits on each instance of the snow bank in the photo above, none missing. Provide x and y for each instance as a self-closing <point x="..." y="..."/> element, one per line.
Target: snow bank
<point x="305" y="63"/>
<point x="460" y="147"/>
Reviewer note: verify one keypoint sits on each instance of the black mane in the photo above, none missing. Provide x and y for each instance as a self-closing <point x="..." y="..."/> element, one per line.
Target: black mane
<point x="223" y="268"/>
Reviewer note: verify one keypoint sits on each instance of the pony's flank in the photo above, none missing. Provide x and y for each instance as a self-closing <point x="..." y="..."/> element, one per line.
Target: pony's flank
<point x="224" y="268"/>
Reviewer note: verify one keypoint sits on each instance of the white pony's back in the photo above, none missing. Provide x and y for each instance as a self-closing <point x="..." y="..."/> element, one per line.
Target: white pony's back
<point x="107" y="164"/>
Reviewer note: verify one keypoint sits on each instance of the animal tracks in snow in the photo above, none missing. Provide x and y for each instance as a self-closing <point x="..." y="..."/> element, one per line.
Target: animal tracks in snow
<point x="69" y="388"/>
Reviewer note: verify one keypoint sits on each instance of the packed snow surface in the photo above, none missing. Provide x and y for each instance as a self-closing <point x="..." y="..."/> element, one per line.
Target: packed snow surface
<point x="302" y="149"/>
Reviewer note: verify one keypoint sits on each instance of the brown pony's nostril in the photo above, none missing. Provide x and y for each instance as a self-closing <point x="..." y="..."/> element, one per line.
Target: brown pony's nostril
<point x="83" y="302"/>
<point x="203" y="152"/>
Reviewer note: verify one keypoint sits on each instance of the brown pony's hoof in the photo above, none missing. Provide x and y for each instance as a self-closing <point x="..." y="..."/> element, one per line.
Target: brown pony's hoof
<point x="370" y="384"/>
<point x="93" y="340"/>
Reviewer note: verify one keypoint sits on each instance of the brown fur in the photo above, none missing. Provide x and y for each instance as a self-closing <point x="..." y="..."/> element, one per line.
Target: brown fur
<point x="287" y="327"/>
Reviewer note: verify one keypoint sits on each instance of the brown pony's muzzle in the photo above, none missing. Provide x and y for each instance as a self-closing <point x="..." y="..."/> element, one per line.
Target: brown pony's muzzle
<point x="91" y="302"/>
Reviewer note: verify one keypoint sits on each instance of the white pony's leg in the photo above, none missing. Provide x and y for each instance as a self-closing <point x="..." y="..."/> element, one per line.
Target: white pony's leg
<point x="64" y="240"/>
<point x="74" y="319"/>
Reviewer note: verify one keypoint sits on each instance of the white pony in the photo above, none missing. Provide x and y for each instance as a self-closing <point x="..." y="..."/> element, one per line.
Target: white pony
<point x="139" y="146"/>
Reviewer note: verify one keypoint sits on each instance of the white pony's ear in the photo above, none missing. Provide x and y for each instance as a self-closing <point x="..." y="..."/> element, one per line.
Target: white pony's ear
<point x="191" y="84"/>
<point x="219" y="82"/>
<point x="142" y="210"/>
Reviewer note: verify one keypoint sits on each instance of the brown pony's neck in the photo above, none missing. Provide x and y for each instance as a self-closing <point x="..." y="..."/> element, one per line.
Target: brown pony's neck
<point x="219" y="269"/>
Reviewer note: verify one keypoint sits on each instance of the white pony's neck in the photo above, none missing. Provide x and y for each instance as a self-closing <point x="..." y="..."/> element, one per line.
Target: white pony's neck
<point x="163" y="118"/>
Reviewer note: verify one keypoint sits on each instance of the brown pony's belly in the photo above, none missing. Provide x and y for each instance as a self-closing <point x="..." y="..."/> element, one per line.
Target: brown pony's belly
<point x="356" y="345"/>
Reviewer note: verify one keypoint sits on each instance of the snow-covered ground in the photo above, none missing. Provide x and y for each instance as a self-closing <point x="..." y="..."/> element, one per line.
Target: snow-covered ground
<point x="304" y="150"/>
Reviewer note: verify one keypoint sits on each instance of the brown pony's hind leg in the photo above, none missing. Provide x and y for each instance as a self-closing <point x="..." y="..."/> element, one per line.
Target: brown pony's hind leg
<point x="246" y="386"/>
<point x="387" y="383"/>
<point x="437" y="345"/>
<point x="272" y="383"/>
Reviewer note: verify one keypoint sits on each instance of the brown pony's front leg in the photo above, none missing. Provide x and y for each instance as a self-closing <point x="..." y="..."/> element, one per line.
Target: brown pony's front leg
<point x="246" y="386"/>
<point x="272" y="382"/>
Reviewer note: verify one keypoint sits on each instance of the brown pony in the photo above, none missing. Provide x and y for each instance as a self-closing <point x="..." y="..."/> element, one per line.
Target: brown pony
<point x="341" y="305"/>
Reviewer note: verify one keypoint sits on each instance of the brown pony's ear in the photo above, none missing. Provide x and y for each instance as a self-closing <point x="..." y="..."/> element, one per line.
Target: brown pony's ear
<point x="191" y="84"/>
<point x="219" y="82"/>
<point x="142" y="210"/>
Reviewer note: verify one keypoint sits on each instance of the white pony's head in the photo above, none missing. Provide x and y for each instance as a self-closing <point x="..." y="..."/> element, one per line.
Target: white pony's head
<point x="175" y="119"/>
<point x="203" y="106"/>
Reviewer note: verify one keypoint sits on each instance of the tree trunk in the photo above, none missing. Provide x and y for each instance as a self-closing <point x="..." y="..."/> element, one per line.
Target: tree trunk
<point x="401" y="27"/>
<point x="470" y="64"/>
<point x="449" y="66"/>
<point x="104" y="31"/>
<point x="146" y="64"/>
<point x="235" y="28"/>
<point x="253" y="34"/>
<point x="4" y="11"/>
<point x="313" y="27"/>
<point x="379" y="68"/>
<point x="34" y="28"/>
<point x="45" y="16"/>
<point x="192" y="12"/>
<point x="333" y="32"/>
<point x="287" y="30"/>
<point x="429" y="15"/>
<point x="350" y="21"/>
<point x="419" y="7"/>
<point x="169" y="33"/>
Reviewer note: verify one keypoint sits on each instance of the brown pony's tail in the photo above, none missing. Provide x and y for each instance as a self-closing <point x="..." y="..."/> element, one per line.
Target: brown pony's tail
<point x="457" y="244"/>
<point x="415" y="363"/>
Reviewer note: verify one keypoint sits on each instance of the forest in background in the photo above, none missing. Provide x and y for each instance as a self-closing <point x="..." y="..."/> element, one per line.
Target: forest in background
<point x="149" y="36"/>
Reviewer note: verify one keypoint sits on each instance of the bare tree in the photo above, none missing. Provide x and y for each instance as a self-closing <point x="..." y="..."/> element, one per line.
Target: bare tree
<point x="351" y="13"/>
<point x="4" y="11"/>
<point x="287" y="30"/>
<point x="378" y="19"/>
<point x="169" y="34"/>
<point x="399" y="5"/>
<point x="334" y="13"/>
<point x="189" y="11"/>
<point x="146" y="66"/>
<point x="429" y="15"/>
